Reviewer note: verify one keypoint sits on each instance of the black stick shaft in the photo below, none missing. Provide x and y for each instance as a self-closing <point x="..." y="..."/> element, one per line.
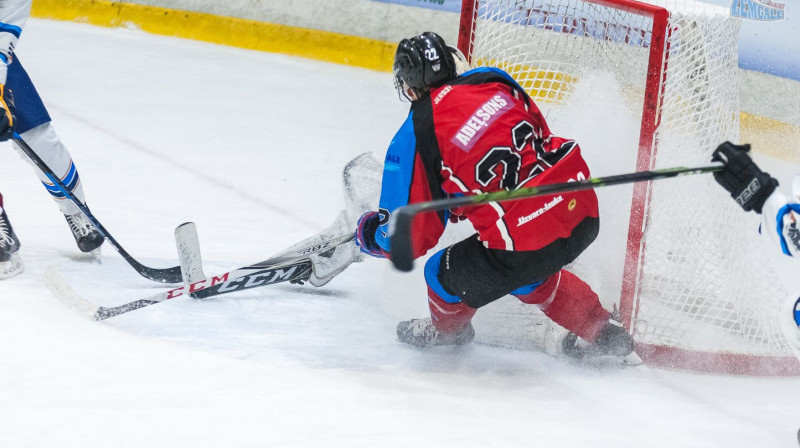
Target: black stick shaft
<point x="168" y="275"/>
<point x="400" y="226"/>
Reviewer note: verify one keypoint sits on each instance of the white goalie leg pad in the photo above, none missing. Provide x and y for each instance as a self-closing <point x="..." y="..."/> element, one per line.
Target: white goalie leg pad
<point x="327" y="265"/>
<point x="12" y="267"/>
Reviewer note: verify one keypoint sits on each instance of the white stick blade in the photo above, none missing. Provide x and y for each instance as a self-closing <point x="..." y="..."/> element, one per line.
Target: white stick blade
<point x="189" y="253"/>
<point x="65" y="294"/>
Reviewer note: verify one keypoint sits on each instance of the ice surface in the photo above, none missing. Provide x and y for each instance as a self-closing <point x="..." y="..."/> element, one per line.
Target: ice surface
<point x="250" y="146"/>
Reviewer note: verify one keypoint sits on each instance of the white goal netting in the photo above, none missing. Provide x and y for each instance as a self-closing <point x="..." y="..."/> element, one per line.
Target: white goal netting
<point x="696" y="279"/>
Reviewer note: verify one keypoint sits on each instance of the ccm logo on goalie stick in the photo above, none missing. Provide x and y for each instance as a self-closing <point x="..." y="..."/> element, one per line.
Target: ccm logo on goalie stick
<point x="222" y="284"/>
<point x="197" y="286"/>
<point x="258" y="279"/>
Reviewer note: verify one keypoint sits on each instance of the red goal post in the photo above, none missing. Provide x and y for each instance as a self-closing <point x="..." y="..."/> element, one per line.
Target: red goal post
<point x="687" y="293"/>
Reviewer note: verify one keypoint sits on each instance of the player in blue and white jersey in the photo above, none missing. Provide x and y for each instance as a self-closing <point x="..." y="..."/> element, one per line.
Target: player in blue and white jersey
<point x="22" y="111"/>
<point x="755" y="190"/>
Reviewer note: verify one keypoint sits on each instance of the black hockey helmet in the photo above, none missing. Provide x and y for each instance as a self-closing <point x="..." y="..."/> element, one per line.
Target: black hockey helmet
<point x="423" y="61"/>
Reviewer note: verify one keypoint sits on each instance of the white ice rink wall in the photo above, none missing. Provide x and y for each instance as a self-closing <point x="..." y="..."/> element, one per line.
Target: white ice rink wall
<point x="365" y="33"/>
<point x="380" y="20"/>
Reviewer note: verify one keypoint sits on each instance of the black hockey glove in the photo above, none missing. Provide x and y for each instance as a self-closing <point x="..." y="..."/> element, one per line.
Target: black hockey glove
<point x="743" y="179"/>
<point x="6" y="119"/>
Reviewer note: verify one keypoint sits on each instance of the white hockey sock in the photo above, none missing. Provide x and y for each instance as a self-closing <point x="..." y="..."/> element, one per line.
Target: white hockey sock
<point x="48" y="146"/>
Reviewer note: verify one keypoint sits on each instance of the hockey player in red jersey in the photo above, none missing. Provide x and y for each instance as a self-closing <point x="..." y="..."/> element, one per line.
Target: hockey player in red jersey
<point x="473" y="133"/>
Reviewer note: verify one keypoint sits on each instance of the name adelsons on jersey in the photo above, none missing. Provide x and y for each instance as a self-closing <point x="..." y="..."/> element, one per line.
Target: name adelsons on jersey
<point x="471" y="131"/>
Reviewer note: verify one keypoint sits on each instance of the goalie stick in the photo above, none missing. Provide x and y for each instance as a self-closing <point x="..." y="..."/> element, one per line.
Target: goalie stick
<point x="168" y="275"/>
<point x="237" y="280"/>
<point x="291" y="264"/>
<point x="400" y="225"/>
<point x="287" y="266"/>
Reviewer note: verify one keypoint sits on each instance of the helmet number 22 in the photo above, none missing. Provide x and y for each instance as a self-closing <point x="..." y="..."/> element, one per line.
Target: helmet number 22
<point x="431" y="54"/>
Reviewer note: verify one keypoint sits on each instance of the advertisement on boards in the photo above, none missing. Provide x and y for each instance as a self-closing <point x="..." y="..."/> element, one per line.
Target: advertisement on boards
<point x="441" y="5"/>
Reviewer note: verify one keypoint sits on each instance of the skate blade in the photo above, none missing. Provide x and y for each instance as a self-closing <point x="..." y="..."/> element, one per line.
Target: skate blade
<point x="12" y="267"/>
<point x="94" y="256"/>
<point x="631" y="360"/>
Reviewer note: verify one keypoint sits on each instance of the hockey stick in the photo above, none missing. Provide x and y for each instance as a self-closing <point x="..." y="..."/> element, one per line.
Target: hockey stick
<point x="287" y="266"/>
<point x="168" y="275"/>
<point x="237" y="280"/>
<point x="400" y="225"/>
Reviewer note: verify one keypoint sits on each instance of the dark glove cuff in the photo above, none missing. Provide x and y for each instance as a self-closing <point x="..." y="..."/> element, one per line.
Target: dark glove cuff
<point x="366" y="231"/>
<point x="756" y="193"/>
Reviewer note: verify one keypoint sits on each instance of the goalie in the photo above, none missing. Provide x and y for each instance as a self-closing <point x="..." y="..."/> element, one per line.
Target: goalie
<point x="479" y="132"/>
<point x="755" y="190"/>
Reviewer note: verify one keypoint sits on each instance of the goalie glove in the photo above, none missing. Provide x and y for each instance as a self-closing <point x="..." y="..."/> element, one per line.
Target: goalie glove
<point x="743" y="179"/>
<point x="6" y="119"/>
<point x="367" y="226"/>
<point x="327" y="265"/>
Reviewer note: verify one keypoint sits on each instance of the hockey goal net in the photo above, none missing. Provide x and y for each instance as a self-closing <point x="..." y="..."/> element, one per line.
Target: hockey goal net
<point x="677" y="257"/>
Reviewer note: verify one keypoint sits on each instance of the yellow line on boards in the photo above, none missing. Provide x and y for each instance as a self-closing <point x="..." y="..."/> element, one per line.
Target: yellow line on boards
<point x="251" y="34"/>
<point x="771" y="137"/>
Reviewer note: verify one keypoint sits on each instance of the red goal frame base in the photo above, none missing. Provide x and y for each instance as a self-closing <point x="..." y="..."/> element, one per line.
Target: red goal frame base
<point x="715" y="362"/>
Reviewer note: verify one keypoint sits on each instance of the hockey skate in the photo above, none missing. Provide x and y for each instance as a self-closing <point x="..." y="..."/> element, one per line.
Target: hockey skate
<point x="86" y="235"/>
<point x="614" y="344"/>
<point x="10" y="261"/>
<point x="422" y="333"/>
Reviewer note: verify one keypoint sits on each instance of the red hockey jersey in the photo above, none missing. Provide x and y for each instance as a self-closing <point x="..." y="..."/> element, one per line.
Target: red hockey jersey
<point x="482" y="133"/>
